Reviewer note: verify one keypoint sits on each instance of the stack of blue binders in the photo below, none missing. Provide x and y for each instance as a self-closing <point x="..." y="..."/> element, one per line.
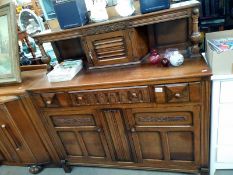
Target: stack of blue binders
<point x="148" y="6"/>
<point x="71" y="13"/>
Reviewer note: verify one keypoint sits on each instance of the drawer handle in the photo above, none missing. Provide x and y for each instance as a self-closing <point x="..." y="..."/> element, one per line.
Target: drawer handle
<point x="133" y="130"/>
<point x="48" y="102"/>
<point x="11" y="137"/>
<point x="134" y="94"/>
<point x="99" y="130"/>
<point x="177" y="95"/>
<point x="80" y="98"/>
<point x="90" y="55"/>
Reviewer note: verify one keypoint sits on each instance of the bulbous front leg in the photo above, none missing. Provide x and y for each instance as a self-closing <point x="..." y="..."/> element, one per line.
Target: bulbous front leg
<point x="35" y="169"/>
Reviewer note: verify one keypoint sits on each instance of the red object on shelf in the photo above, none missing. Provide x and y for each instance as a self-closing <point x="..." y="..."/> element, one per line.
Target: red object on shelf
<point x="154" y="57"/>
<point x="165" y="62"/>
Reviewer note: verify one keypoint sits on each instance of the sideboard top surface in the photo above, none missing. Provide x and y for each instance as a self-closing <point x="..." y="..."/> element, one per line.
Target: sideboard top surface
<point x="145" y="73"/>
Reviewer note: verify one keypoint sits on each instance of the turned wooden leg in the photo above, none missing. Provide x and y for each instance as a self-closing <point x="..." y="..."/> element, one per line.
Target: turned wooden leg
<point x="204" y="171"/>
<point x="45" y="58"/>
<point x="67" y="168"/>
<point x="196" y="36"/>
<point x="35" y="169"/>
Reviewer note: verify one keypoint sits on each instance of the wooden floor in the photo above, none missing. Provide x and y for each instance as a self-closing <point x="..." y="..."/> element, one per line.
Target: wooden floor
<point x="7" y="170"/>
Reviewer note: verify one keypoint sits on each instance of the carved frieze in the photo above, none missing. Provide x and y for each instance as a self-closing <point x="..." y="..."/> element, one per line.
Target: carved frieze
<point x="131" y="95"/>
<point x="77" y="120"/>
<point x="106" y="28"/>
<point x="161" y="119"/>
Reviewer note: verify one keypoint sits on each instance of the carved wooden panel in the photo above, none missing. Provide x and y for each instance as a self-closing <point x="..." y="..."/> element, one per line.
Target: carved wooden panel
<point x="115" y="48"/>
<point x="138" y="94"/>
<point x="164" y="118"/>
<point x="168" y="135"/>
<point x="177" y="92"/>
<point x="116" y="126"/>
<point x="182" y="92"/>
<point x="73" y="120"/>
<point x="78" y="135"/>
<point x="109" y="48"/>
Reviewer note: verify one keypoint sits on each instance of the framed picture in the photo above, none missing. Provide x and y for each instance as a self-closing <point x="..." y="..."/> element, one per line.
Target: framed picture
<point x="9" y="52"/>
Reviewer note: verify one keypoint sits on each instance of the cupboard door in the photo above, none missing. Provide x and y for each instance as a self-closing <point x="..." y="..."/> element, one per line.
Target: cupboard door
<point x="109" y="48"/>
<point x="17" y="131"/>
<point x="12" y="141"/>
<point x="77" y="135"/>
<point x="170" y="135"/>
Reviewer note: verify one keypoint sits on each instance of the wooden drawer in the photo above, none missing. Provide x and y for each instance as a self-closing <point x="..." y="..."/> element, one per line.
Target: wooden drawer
<point x="56" y="99"/>
<point x="111" y="96"/>
<point x="182" y="92"/>
<point x="125" y="95"/>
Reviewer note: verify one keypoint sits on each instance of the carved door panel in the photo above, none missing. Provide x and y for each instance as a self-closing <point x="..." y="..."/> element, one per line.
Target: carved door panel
<point x="170" y="135"/>
<point x="77" y="135"/>
<point x="116" y="126"/>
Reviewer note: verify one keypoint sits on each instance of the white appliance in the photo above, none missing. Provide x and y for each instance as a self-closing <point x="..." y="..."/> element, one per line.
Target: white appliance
<point x="221" y="154"/>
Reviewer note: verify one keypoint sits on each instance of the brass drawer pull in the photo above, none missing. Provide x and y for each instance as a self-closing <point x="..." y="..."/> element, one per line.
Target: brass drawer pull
<point x="99" y="130"/>
<point x="11" y="137"/>
<point x="134" y="94"/>
<point x="133" y="130"/>
<point x="80" y="98"/>
<point x="48" y="102"/>
<point x="177" y="95"/>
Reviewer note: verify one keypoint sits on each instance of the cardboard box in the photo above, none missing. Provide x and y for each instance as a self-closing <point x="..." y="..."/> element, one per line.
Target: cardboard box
<point x="220" y="63"/>
<point x="148" y="6"/>
<point x="70" y="13"/>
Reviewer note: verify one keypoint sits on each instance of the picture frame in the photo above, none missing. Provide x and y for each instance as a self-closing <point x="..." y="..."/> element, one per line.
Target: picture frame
<point x="9" y="51"/>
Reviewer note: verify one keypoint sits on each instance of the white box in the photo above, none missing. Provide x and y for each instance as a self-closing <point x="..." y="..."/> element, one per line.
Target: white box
<point x="65" y="73"/>
<point x="220" y="63"/>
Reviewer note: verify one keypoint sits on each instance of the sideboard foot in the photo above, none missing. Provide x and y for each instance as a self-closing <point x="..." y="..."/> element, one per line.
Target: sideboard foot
<point x="35" y="169"/>
<point x="67" y="168"/>
<point x="204" y="171"/>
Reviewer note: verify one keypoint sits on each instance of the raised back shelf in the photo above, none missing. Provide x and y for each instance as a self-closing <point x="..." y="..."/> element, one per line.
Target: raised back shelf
<point x="176" y="27"/>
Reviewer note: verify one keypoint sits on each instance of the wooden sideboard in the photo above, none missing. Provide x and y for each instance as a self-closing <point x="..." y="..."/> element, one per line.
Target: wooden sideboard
<point x="142" y="117"/>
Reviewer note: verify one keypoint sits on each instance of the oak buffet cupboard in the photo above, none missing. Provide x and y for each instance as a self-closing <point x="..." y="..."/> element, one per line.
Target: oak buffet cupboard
<point x="138" y="117"/>
<point x="142" y="117"/>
